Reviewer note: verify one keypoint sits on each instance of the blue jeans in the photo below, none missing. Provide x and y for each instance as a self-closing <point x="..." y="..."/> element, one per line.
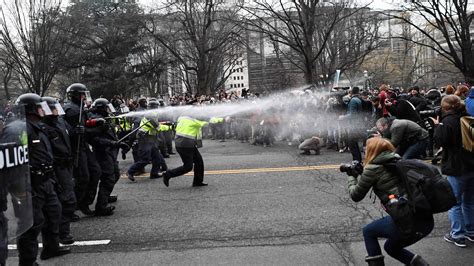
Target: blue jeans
<point x="394" y="246"/>
<point x="461" y="215"/>
<point x="416" y="150"/>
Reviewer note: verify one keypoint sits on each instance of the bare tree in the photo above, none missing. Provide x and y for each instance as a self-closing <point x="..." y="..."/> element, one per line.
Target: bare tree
<point x="445" y="27"/>
<point x="352" y="39"/>
<point x="6" y="72"/>
<point x="35" y="38"/>
<point x="203" y="37"/>
<point x="302" y="27"/>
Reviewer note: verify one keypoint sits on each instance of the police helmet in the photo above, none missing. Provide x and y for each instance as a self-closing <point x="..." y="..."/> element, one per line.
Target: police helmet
<point x="142" y="102"/>
<point x="161" y="102"/>
<point x="103" y="104"/>
<point x="33" y="103"/>
<point x="54" y="105"/>
<point x="76" y="90"/>
<point x="153" y="103"/>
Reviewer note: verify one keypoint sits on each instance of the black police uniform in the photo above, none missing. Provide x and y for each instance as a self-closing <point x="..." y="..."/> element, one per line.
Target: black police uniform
<point x="82" y="174"/>
<point x="46" y="206"/>
<point x="63" y="167"/>
<point x="104" y="143"/>
<point x="3" y="220"/>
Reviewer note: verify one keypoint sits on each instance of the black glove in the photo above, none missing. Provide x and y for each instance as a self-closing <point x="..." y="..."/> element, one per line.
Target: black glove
<point x="122" y="145"/>
<point x="80" y="130"/>
<point x="124" y="155"/>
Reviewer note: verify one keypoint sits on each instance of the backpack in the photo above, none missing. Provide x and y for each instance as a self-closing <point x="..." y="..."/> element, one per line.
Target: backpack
<point x="467" y="132"/>
<point x="427" y="190"/>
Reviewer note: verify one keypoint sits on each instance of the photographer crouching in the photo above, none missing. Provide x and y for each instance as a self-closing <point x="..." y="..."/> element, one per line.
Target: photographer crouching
<point x="409" y="138"/>
<point x="386" y="186"/>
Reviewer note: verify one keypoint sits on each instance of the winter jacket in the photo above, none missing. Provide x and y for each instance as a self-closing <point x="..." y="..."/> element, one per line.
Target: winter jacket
<point x="375" y="176"/>
<point x="405" y="132"/>
<point x="456" y="161"/>
<point x="470" y="103"/>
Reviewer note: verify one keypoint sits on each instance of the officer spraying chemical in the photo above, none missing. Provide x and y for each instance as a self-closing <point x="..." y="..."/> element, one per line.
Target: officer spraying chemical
<point x="104" y="141"/>
<point x="46" y="206"/>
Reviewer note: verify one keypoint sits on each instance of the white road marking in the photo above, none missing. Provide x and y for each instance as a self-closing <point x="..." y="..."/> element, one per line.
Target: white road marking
<point x="77" y="243"/>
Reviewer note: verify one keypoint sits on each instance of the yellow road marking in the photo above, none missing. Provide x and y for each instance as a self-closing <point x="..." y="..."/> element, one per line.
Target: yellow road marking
<point x="263" y="170"/>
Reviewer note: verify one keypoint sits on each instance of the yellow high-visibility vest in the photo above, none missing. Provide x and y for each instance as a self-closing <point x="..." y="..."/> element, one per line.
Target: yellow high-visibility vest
<point x="190" y="128"/>
<point x="216" y="120"/>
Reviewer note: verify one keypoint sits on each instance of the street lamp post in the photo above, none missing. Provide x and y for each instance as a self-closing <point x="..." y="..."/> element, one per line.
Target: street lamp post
<point x="366" y="79"/>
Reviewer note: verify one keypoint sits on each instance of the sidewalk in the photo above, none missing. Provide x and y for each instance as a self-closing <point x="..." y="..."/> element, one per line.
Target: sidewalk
<point x="435" y="250"/>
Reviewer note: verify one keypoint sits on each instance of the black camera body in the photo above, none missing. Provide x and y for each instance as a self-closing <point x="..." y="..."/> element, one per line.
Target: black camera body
<point x="433" y="112"/>
<point x="425" y="115"/>
<point x="355" y="168"/>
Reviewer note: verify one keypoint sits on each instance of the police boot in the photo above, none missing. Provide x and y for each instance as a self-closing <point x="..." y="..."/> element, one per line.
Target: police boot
<point x="45" y="254"/>
<point x="418" y="261"/>
<point x="112" y="198"/>
<point x="166" y="178"/>
<point x="105" y="212"/>
<point x="75" y="218"/>
<point x="86" y="210"/>
<point x="375" y="260"/>
<point x="67" y="240"/>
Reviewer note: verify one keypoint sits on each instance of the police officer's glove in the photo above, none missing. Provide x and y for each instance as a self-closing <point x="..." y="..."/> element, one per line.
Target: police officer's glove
<point x="80" y="130"/>
<point x="122" y="145"/>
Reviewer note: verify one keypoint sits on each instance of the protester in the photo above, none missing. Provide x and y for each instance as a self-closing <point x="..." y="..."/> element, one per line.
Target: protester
<point x="311" y="144"/>
<point x="457" y="164"/>
<point x="470" y="102"/>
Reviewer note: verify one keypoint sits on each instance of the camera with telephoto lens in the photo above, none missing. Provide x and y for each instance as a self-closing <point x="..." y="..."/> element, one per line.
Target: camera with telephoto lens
<point x="426" y="122"/>
<point x="354" y="168"/>
<point x="433" y="112"/>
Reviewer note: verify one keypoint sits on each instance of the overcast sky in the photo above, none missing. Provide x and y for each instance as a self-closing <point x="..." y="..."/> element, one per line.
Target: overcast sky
<point x="376" y="4"/>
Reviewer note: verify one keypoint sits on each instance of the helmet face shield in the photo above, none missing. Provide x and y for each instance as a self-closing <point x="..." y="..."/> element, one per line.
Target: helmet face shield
<point x="111" y="108"/>
<point x="124" y="109"/>
<point x="87" y="95"/>
<point x="45" y="107"/>
<point x="59" y="109"/>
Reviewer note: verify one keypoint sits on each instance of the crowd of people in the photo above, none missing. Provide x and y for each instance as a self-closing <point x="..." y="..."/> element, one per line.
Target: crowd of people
<point x="74" y="147"/>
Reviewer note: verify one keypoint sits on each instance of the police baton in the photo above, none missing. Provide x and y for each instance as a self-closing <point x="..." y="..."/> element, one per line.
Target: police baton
<point x="78" y="147"/>
<point x="131" y="133"/>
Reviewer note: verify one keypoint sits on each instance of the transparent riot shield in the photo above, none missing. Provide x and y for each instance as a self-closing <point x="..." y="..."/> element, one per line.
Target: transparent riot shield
<point x="15" y="187"/>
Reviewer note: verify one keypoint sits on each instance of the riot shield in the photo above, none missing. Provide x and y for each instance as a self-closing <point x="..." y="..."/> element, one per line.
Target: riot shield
<point x="15" y="187"/>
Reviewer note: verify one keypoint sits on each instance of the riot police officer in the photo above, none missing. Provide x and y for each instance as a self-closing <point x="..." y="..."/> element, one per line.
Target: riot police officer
<point x="148" y="148"/>
<point x="105" y="145"/>
<point x="154" y="104"/>
<point x="46" y="206"/>
<point x="58" y="133"/>
<point x="76" y="116"/>
<point x="142" y="106"/>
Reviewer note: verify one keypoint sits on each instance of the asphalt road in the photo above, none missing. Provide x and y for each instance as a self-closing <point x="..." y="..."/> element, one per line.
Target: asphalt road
<point x="263" y="206"/>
